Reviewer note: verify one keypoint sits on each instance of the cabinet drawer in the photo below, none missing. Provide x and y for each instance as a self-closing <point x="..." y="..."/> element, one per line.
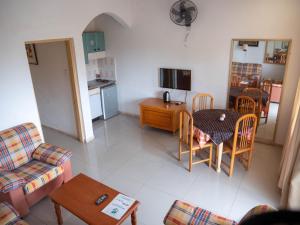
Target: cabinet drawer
<point x="157" y="118"/>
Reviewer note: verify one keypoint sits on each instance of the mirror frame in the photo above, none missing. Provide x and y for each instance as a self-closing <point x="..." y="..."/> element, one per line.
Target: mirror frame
<point x="257" y="139"/>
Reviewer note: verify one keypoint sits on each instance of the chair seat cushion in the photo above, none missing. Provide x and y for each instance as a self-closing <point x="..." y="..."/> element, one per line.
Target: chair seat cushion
<point x="51" y="154"/>
<point x="36" y="174"/>
<point x="182" y="213"/>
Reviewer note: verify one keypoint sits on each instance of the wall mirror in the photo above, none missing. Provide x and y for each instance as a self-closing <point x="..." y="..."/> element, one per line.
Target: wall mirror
<point x="276" y="52"/>
<point x="257" y="71"/>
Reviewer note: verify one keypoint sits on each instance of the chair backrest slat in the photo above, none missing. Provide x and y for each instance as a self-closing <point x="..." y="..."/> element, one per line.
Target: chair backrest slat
<point x="245" y="130"/>
<point x="245" y="104"/>
<point x="258" y="100"/>
<point x="202" y="101"/>
<point x="267" y="86"/>
<point x="236" y="80"/>
<point x="186" y="127"/>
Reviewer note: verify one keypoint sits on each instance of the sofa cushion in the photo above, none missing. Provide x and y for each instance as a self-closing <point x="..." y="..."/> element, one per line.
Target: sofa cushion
<point x="7" y="213"/>
<point x="182" y="213"/>
<point x="17" y="145"/>
<point x="51" y="154"/>
<point x="36" y="174"/>
<point x="246" y="69"/>
<point x="10" y="181"/>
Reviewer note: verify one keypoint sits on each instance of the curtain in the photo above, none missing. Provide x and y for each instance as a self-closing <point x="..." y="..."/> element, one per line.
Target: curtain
<point x="289" y="180"/>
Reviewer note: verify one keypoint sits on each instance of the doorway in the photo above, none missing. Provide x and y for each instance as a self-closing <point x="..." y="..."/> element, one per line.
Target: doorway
<point x="259" y="66"/>
<point x="53" y="70"/>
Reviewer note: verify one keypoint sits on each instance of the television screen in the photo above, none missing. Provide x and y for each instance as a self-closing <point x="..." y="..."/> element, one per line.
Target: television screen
<point x="175" y="79"/>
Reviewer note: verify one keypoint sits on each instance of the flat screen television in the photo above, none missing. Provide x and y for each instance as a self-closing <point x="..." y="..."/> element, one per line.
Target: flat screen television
<point x="175" y="79"/>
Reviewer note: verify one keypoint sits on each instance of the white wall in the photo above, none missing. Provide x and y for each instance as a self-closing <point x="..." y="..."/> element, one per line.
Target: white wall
<point x="154" y="41"/>
<point x="29" y="20"/>
<point x="51" y="81"/>
<point x="256" y="55"/>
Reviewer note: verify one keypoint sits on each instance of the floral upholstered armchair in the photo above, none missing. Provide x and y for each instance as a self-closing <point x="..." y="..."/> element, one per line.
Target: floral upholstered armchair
<point x="30" y="169"/>
<point x="182" y="213"/>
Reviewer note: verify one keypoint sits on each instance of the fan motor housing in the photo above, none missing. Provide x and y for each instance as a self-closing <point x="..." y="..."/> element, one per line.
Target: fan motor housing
<point x="183" y="12"/>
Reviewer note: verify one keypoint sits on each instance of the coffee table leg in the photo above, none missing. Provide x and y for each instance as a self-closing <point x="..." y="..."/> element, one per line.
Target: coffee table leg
<point x="58" y="214"/>
<point x="220" y="153"/>
<point x="133" y="217"/>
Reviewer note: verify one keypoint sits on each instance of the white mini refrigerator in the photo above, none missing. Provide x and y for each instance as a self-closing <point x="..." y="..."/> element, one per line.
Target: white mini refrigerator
<point x="109" y="99"/>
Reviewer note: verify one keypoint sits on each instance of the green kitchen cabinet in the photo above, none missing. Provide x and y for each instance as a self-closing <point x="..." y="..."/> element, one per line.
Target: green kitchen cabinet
<point x="93" y="42"/>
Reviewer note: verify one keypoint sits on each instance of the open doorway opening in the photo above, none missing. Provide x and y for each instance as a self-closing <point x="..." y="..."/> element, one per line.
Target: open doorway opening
<point x="54" y="76"/>
<point x="100" y="62"/>
<point x="258" y="69"/>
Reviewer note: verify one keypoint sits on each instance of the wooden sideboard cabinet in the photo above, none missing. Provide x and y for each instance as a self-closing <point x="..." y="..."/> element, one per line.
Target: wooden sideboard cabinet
<point x="154" y="112"/>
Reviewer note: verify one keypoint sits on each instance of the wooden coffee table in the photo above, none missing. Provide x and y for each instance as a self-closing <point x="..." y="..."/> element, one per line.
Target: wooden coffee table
<point x="79" y="195"/>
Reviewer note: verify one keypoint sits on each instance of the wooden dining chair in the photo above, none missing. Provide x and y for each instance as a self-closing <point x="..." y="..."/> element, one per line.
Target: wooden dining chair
<point x="256" y="94"/>
<point x="187" y="142"/>
<point x="236" y="80"/>
<point x="243" y="141"/>
<point x="245" y="104"/>
<point x="254" y="81"/>
<point x="202" y="101"/>
<point x="267" y="87"/>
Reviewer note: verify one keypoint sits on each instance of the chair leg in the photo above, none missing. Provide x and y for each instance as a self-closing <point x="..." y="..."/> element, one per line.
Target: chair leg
<point x="249" y="159"/>
<point x="179" y="151"/>
<point x="190" y="160"/>
<point x="216" y="156"/>
<point x="210" y="156"/>
<point x="231" y="165"/>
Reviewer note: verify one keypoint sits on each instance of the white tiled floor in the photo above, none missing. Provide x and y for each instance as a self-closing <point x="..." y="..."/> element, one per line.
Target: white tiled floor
<point x="266" y="130"/>
<point x="141" y="163"/>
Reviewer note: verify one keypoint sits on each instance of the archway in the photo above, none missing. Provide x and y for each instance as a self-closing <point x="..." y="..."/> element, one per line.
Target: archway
<point x="101" y="65"/>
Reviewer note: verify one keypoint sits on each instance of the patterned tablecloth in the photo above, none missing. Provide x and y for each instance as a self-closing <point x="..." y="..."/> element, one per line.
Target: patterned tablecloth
<point x="207" y="125"/>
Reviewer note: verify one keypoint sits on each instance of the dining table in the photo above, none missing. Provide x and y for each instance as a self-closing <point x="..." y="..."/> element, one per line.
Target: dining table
<point x="234" y="92"/>
<point x="208" y="121"/>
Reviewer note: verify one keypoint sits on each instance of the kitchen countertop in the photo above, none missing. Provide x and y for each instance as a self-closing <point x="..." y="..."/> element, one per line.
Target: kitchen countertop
<point x="99" y="84"/>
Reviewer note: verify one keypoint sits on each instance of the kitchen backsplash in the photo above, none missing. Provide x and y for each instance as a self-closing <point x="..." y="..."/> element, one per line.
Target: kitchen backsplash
<point x="92" y="69"/>
<point x="105" y="67"/>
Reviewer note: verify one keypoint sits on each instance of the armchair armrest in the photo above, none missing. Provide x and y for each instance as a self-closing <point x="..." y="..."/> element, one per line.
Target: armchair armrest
<point x="51" y="154"/>
<point x="256" y="211"/>
<point x="10" y="181"/>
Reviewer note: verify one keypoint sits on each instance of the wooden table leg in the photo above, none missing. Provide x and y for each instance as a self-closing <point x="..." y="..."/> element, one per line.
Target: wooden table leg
<point x="220" y="153"/>
<point x="58" y="214"/>
<point x="133" y="218"/>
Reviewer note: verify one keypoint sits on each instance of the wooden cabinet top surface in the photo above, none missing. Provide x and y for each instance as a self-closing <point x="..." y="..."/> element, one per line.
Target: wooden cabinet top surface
<point x="159" y="103"/>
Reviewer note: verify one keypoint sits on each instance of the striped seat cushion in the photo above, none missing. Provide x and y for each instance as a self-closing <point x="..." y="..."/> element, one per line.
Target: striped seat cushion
<point x="182" y="213"/>
<point x="36" y="174"/>
<point x="17" y="145"/>
<point x="51" y="154"/>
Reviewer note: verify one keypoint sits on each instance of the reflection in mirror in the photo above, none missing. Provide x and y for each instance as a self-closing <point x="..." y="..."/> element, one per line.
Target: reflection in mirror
<point x="257" y="71"/>
<point x="276" y="52"/>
